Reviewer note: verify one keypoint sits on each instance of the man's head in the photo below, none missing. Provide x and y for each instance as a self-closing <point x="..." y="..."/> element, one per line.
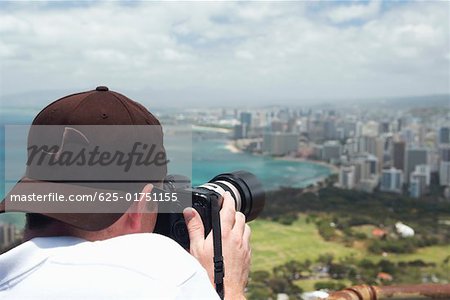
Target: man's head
<point x="92" y="143"/>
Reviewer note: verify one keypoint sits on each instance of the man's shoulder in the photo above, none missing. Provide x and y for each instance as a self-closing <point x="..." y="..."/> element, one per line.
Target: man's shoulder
<point x="148" y="254"/>
<point x="128" y="266"/>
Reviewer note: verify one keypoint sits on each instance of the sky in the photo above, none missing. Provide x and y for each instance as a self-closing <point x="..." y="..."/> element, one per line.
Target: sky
<point x="224" y="53"/>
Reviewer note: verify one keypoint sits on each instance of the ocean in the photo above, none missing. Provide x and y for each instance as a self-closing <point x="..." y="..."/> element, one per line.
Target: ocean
<point x="210" y="157"/>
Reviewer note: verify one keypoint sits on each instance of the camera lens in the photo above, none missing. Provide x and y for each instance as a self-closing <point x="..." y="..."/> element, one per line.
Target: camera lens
<point x="245" y="188"/>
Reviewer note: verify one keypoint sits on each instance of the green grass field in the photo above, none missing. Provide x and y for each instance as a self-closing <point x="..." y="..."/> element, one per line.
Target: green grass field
<point x="274" y="244"/>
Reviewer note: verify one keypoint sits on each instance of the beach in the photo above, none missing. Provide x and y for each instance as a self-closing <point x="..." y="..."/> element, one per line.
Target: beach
<point x="231" y="146"/>
<point x="334" y="169"/>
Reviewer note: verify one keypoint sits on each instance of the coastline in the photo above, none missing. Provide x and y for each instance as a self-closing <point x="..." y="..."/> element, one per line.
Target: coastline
<point x="232" y="147"/>
<point x="334" y="169"/>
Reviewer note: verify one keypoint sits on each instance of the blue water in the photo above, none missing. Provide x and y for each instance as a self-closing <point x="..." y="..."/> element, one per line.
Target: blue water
<point x="210" y="157"/>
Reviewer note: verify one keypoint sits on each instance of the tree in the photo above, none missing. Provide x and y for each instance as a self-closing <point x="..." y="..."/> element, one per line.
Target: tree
<point x="325" y="259"/>
<point x="328" y="285"/>
<point x="260" y="276"/>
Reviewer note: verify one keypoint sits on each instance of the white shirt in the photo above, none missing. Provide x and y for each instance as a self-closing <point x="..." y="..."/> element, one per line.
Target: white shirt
<point x="134" y="266"/>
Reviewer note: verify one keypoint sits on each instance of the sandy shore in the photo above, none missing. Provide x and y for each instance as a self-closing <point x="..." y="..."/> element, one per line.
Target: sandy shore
<point x="231" y="146"/>
<point x="333" y="168"/>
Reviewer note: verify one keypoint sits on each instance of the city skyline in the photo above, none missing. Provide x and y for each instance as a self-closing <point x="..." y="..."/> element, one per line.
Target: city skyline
<point x="194" y="54"/>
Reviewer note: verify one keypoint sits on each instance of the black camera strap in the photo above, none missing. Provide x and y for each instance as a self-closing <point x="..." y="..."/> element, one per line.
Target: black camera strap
<point x="219" y="271"/>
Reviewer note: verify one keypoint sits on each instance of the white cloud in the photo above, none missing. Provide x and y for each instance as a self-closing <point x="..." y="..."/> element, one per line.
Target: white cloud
<point x="352" y="12"/>
<point x="243" y="54"/>
<point x="228" y="51"/>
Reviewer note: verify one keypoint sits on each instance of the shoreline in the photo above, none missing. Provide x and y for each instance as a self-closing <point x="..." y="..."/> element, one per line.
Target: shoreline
<point x="334" y="169"/>
<point x="232" y="147"/>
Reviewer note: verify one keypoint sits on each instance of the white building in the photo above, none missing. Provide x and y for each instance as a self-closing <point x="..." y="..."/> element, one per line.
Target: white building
<point x="347" y="177"/>
<point x="425" y="170"/>
<point x="280" y="143"/>
<point x="417" y="184"/>
<point x="404" y="230"/>
<point x="315" y="295"/>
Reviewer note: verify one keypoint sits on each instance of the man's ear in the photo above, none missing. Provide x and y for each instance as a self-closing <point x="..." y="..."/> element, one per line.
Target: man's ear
<point x="137" y="211"/>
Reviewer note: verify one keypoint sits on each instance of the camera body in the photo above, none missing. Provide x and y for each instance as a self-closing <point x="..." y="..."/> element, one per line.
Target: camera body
<point x="173" y="224"/>
<point x="244" y="187"/>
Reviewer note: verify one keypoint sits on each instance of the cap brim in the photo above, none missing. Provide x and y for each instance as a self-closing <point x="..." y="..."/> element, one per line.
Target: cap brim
<point x="70" y="213"/>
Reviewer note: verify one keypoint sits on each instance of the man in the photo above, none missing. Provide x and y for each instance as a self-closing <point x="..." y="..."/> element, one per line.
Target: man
<point x="111" y="254"/>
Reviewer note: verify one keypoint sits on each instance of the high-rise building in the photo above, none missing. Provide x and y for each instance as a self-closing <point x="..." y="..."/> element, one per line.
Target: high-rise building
<point x="415" y="157"/>
<point x="366" y="167"/>
<point x="277" y="126"/>
<point x="280" y="143"/>
<point x="347" y="177"/>
<point x="433" y="160"/>
<point x="316" y="130"/>
<point x="350" y="147"/>
<point x="349" y="129"/>
<point x="380" y="144"/>
<point x="329" y="128"/>
<point x="398" y="155"/>
<point x="417" y="184"/>
<point x="246" y="118"/>
<point x="391" y="180"/>
<point x="372" y="161"/>
<point x="421" y="134"/>
<point x="400" y="124"/>
<point x="367" y="144"/>
<point x="332" y="150"/>
<point x="444" y="153"/>
<point x="358" y="171"/>
<point x="444" y="165"/>
<point x="317" y="152"/>
<point x="444" y="173"/>
<point x="358" y="129"/>
<point x="408" y="135"/>
<point x="424" y="170"/>
<point x="384" y="127"/>
<point x="444" y="135"/>
<point x="7" y="234"/>
<point x="239" y="131"/>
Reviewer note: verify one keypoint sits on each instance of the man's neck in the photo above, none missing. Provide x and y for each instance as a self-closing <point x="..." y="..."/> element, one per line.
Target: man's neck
<point x="55" y="230"/>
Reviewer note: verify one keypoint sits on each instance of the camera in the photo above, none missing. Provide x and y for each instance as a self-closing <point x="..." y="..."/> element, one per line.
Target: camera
<point x="243" y="186"/>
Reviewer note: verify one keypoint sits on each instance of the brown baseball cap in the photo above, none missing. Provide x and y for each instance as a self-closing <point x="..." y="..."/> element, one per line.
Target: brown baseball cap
<point x="104" y="109"/>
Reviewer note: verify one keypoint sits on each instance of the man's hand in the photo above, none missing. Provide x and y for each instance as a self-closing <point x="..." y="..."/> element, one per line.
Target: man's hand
<point x="235" y="246"/>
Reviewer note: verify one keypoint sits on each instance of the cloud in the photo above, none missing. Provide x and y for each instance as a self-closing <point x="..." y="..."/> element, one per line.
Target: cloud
<point x="227" y="52"/>
<point x="354" y="12"/>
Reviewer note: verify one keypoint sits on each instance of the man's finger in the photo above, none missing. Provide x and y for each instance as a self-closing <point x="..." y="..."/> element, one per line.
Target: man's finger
<point x="227" y="213"/>
<point x="247" y="234"/>
<point x="239" y="224"/>
<point x="194" y="226"/>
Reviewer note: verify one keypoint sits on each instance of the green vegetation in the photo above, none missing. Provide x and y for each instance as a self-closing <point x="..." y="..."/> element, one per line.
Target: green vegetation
<point x="274" y="244"/>
<point x="301" y="233"/>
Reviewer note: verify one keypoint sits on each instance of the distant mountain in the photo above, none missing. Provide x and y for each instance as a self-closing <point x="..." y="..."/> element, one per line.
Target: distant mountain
<point x="198" y="98"/>
<point x="414" y="101"/>
<point x="433" y="100"/>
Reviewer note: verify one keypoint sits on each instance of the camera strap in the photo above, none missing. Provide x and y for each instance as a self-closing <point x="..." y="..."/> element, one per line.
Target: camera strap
<point x="219" y="271"/>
